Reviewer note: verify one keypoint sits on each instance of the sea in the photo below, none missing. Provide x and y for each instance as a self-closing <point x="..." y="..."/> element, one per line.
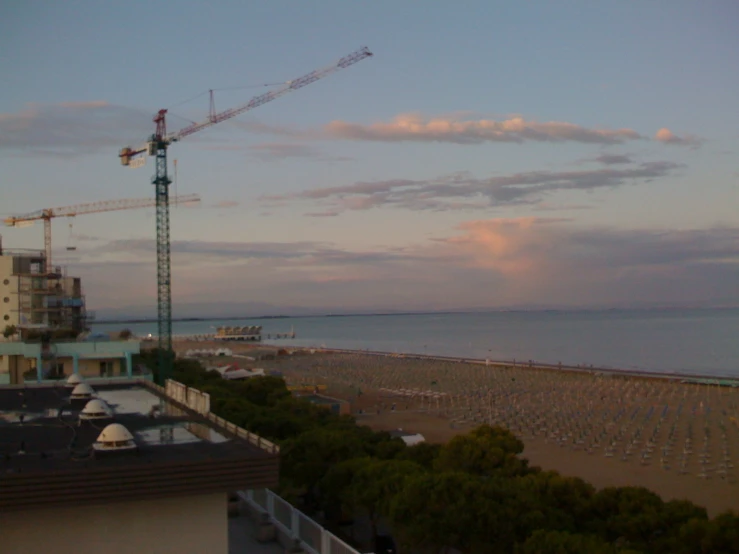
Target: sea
<point x="685" y="341"/>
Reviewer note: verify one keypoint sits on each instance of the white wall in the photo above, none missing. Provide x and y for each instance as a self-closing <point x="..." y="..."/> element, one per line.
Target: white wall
<point x="8" y="310"/>
<point x="185" y="525"/>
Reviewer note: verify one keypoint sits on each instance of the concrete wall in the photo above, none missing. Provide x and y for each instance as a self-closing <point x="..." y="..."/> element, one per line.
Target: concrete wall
<point x="9" y="290"/>
<point x="13" y="367"/>
<point x="192" y="398"/>
<point x="84" y="349"/>
<point x="90" y="354"/>
<point x="91" y="368"/>
<point x="185" y="525"/>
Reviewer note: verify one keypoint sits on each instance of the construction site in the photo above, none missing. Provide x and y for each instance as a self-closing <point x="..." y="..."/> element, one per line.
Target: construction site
<point x="46" y="333"/>
<point x="48" y="353"/>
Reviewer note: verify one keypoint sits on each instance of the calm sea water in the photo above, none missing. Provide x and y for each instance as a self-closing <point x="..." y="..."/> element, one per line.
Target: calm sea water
<point x="684" y="341"/>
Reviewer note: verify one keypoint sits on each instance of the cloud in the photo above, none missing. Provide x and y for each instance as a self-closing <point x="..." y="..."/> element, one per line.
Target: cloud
<point x="466" y="127"/>
<point x="555" y="261"/>
<point x="462" y="191"/>
<point x="481" y="263"/>
<point x="258" y="127"/>
<point x="414" y="127"/>
<point x="327" y="213"/>
<point x="226" y="204"/>
<point x="278" y="150"/>
<point x="308" y="252"/>
<point x="614" y="159"/>
<point x="665" y="136"/>
<point x="270" y="151"/>
<point x="71" y="128"/>
<point x="84" y="105"/>
<point x="85" y="237"/>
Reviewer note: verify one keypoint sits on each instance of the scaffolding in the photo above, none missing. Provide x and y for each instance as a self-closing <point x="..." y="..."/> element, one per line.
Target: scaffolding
<point x="47" y="298"/>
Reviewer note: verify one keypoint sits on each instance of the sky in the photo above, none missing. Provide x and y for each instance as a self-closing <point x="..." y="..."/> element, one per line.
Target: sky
<point x="488" y="155"/>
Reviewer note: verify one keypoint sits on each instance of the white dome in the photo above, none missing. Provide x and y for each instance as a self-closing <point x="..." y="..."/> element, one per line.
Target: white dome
<point x="74" y="379"/>
<point x="96" y="408"/>
<point x="115" y="432"/>
<point x="83" y="390"/>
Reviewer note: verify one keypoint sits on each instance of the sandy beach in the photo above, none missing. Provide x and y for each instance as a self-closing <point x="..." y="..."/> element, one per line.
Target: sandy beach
<point x="680" y="440"/>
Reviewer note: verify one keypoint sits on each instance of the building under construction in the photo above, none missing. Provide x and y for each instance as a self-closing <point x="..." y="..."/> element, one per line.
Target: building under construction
<point x="43" y="324"/>
<point x="36" y="298"/>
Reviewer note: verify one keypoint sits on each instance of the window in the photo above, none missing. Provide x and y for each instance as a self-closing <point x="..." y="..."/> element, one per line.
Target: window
<point x="6" y="299"/>
<point x="6" y="317"/>
<point x="106" y="368"/>
<point x="57" y="371"/>
<point x="6" y="282"/>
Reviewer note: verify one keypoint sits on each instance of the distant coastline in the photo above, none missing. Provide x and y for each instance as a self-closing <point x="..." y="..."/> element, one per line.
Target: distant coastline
<point x="184" y="319"/>
<point x="387" y="314"/>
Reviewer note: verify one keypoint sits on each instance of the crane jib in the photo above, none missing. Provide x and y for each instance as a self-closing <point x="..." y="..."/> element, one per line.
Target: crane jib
<point x="157" y="146"/>
<point x="257" y="101"/>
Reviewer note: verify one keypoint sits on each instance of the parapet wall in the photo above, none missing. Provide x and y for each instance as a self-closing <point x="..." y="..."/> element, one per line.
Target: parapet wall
<point x="197" y="401"/>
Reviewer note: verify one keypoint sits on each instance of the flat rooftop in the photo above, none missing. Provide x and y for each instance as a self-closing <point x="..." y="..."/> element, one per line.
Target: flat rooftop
<point x="42" y="437"/>
<point x="51" y="441"/>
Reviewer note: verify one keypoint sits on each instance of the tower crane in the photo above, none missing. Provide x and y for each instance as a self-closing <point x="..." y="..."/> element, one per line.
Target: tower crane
<point x="47" y="214"/>
<point x="157" y="146"/>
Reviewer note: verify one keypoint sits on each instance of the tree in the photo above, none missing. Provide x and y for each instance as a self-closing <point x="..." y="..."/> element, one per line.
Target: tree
<point x="9" y="331"/>
<point x="432" y="511"/>
<point x="566" y="501"/>
<point x="308" y="457"/>
<point x="423" y="453"/>
<point x="383" y="445"/>
<point x="719" y="535"/>
<point x="482" y="451"/>
<point x="562" y="542"/>
<point x="335" y="487"/>
<point x="459" y="510"/>
<point x="263" y="391"/>
<point x="632" y="515"/>
<point x="375" y="485"/>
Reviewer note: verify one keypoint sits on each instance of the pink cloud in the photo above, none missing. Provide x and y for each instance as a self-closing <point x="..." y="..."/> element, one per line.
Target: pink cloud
<point x="90" y="104"/>
<point x="511" y="246"/>
<point x="226" y="204"/>
<point x="414" y="127"/>
<point x="493" y="262"/>
<point x="665" y="136"/>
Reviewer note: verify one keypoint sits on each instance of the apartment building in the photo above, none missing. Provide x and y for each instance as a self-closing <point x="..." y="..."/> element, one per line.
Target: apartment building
<point x="34" y="296"/>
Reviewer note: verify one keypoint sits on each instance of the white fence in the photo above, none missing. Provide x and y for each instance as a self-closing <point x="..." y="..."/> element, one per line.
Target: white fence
<point x="240" y="432"/>
<point x="289" y="520"/>
<point x="200" y="402"/>
<point x="293" y="523"/>
<point x="192" y="398"/>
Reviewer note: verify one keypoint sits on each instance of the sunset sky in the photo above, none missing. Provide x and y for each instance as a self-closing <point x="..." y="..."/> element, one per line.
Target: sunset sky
<point x="489" y="154"/>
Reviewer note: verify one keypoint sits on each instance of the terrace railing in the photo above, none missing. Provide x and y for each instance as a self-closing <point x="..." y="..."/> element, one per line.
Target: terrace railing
<point x="199" y="402"/>
<point x="293" y="523"/>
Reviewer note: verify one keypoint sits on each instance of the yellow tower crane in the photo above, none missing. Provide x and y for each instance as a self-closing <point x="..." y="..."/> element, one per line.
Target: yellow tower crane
<point x="47" y="214"/>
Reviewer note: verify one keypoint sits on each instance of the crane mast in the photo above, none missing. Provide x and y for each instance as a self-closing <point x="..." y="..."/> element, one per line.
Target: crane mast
<point x="157" y="147"/>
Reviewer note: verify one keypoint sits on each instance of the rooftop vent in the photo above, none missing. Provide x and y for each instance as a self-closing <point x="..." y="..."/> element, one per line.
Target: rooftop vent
<point x="96" y="409"/>
<point x="115" y="437"/>
<point x="82" y="391"/>
<point x="73" y="380"/>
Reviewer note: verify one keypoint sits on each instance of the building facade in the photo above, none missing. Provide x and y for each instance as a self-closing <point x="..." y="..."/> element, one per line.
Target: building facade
<point x="134" y="480"/>
<point x="34" y="296"/>
<point x="42" y="313"/>
<point x="24" y="361"/>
